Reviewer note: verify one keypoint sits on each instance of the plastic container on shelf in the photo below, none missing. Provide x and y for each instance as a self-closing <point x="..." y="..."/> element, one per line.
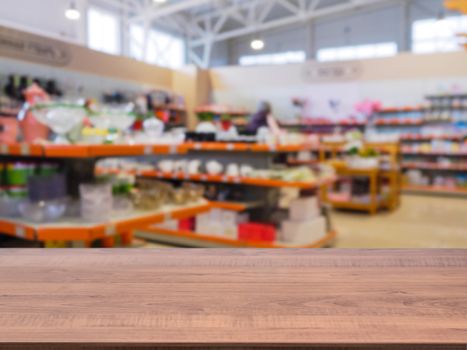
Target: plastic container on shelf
<point x="10" y="199"/>
<point x="45" y="188"/>
<point x="42" y="211"/>
<point x="47" y="169"/>
<point x="17" y="173"/>
<point x="96" y="201"/>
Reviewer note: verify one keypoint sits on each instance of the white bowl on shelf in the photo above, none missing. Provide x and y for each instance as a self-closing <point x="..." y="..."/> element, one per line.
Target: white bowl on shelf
<point x="42" y="211"/>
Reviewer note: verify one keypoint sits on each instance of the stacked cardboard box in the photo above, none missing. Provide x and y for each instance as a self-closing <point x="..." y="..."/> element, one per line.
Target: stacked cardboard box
<point x="222" y="223"/>
<point x="306" y="224"/>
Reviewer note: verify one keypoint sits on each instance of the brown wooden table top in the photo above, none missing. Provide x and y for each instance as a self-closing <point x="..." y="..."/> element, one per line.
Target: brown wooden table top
<point x="233" y="297"/>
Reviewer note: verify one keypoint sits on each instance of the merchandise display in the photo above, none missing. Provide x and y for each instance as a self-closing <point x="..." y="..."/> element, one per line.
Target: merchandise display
<point x="240" y="218"/>
<point x="433" y="140"/>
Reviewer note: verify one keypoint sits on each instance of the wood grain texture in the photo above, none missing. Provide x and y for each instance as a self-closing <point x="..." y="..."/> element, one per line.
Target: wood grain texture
<point x="229" y="298"/>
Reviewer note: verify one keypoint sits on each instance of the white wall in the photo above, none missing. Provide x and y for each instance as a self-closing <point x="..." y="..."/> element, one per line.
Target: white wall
<point x="402" y="80"/>
<point x="43" y="17"/>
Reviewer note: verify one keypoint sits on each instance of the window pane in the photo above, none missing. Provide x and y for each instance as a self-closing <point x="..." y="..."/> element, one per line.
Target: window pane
<point x="386" y="49"/>
<point x="346" y="53"/>
<point x="103" y="31"/>
<point x="163" y="49"/>
<point x="277" y="58"/>
<point x="448" y="45"/>
<point x="136" y="41"/>
<point x="357" y="52"/>
<point x="435" y="35"/>
<point x="424" y="46"/>
<point x="365" y="51"/>
<point x="424" y="29"/>
<point x="327" y="55"/>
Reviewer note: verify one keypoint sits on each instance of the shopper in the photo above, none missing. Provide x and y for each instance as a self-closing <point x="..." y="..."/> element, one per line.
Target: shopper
<point x="263" y="117"/>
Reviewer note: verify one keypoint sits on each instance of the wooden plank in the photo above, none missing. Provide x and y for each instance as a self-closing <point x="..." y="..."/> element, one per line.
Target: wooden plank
<point x="225" y="298"/>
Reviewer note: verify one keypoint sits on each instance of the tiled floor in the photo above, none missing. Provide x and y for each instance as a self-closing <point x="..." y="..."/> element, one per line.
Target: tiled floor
<point x="420" y="222"/>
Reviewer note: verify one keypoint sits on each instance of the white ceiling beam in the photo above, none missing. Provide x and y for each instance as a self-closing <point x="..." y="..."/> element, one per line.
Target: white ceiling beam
<point x="289" y="6"/>
<point x="154" y="12"/>
<point x="287" y="20"/>
<point x="266" y="10"/>
<point x="119" y="5"/>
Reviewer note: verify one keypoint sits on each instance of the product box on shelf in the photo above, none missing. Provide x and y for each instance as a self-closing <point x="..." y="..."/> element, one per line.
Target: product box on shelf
<point x="220" y="222"/>
<point x="169" y="225"/>
<point x="303" y="232"/>
<point x="250" y="231"/>
<point x="304" y="209"/>
<point x="217" y="229"/>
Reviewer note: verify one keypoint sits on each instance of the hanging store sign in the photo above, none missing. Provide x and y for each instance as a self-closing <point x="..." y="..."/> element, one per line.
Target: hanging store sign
<point x="316" y="72"/>
<point x="30" y="47"/>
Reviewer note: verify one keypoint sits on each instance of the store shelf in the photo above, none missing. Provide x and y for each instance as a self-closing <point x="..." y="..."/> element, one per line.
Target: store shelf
<point x="374" y="175"/>
<point x="402" y="109"/>
<point x="323" y="124"/>
<point x="92" y="151"/>
<point x="225" y="179"/>
<point x="416" y="137"/>
<point x="434" y="166"/>
<point x="21" y="150"/>
<point x="110" y="150"/>
<point x="442" y="190"/>
<point x="78" y="230"/>
<point x="399" y="122"/>
<point x="434" y="153"/>
<point x="88" y="151"/>
<point x="337" y="204"/>
<point x="346" y="171"/>
<point x="297" y="162"/>
<point x="191" y="239"/>
<point x="222" y="110"/>
<point x="235" y="206"/>
<point x="245" y="147"/>
<point x="171" y="107"/>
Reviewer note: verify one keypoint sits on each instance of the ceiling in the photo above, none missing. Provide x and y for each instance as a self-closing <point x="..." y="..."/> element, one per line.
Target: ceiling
<point x="205" y="22"/>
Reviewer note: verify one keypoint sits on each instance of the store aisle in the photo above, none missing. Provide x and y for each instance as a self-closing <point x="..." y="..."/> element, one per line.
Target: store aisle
<point x="421" y="222"/>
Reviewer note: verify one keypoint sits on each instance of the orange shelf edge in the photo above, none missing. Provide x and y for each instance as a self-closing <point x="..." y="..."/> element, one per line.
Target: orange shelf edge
<point x="97" y="231"/>
<point x="227" y="179"/>
<point x="434" y="153"/>
<point x="434" y="166"/>
<point x="85" y="151"/>
<point x="236" y="243"/>
<point x="435" y="189"/>
<point x="229" y="206"/>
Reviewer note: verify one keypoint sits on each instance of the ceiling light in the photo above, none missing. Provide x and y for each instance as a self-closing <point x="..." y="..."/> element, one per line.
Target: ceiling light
<point x="72" y="13"/>
<point x="159" y="1"/>
<point x="257" y="44"/>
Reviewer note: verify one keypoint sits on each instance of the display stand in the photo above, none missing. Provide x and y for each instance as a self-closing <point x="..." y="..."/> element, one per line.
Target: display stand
<point x="191" y="239"/>
<point x="376" y="201"/>
<point x="433" y="143"/>
<point x="79" y="164"/>
<point x="261" y="194"/>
